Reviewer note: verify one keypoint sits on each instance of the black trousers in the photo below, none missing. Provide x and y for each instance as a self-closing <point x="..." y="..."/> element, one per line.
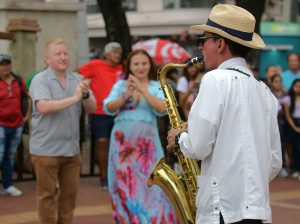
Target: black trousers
<point x="244" y="221"/>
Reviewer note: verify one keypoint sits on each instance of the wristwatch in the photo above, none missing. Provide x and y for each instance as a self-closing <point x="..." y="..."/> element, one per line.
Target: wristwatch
<point x="177" y="137"/>
<point x="86" y="96"/>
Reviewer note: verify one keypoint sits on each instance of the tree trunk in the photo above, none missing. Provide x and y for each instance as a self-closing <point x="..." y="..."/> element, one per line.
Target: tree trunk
<point x="116" y="25"/>
<point x="257" y="8"/>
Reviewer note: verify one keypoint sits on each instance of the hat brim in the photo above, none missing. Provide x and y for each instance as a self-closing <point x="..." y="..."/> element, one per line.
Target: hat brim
<point x="256" y="42"/>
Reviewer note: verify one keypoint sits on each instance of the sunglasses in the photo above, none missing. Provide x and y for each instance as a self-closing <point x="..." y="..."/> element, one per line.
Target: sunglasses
<point x="200" y="40"/>
<point x="5" y="59"/>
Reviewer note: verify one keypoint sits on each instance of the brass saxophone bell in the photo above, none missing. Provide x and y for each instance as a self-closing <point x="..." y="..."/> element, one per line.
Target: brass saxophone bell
<point x="181" y="190"/>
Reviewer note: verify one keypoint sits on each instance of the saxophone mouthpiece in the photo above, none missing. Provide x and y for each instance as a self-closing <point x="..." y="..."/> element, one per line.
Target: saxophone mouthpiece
<point x="196" y="61"/>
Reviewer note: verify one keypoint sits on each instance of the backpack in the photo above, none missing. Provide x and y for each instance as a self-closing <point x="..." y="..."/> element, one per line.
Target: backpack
<point x="24" y="96"/>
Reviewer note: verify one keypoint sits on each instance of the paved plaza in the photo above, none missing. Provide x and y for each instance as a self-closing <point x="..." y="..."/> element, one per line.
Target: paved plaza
<point x="93" y="206"/>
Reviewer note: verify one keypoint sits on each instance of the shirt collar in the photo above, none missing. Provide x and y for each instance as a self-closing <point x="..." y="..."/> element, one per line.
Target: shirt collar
<point x="233" y="62"/>
<point x="13" y="77"/>
<point x="237" y="63"/>
<point x="52" y="75"/>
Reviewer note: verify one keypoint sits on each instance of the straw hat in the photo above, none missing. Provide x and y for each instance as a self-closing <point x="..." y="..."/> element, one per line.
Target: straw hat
<point x="233" y="23"/>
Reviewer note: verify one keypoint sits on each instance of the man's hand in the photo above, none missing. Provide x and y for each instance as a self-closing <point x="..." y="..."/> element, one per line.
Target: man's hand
<point x="85" y="86"/>
<point x="171" y="136"/>
<point x="78" y="93"/>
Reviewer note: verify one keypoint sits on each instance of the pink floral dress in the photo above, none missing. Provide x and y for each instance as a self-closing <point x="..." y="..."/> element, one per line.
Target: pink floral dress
<point x="135" y="148"/>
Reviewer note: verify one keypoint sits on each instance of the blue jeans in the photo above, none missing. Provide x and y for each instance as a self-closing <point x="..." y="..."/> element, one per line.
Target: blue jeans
<point x="10" y="139"/>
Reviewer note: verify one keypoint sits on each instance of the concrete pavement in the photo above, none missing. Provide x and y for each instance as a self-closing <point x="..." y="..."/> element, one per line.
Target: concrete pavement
<point x="93" y="206"/>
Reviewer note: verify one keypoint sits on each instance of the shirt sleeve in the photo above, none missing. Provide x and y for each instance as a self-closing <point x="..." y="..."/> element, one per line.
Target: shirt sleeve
<point x="286" y="100"/>
<point x="276" y="162"/>
<point x="157" y="92"/>
<point x="39" y="89"/>
<point x="182" y="85"/>
<point x="203" y="121"/>
<point x="86" y="70"/>
<point x="114" y="94"/>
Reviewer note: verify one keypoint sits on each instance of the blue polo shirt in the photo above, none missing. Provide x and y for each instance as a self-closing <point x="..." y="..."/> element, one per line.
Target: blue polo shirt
<point x="288" y="78"/>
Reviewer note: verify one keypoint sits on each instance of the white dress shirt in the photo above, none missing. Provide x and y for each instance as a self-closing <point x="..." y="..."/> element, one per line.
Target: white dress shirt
<point x="232" y="128"/>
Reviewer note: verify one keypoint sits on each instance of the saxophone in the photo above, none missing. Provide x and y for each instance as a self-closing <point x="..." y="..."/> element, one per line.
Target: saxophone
<point x="181" y="190"/>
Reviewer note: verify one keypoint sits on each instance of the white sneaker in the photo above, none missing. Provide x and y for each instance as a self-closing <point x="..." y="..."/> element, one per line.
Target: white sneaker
<point x="283" y="173"/>
<point x="295" y="174"/>
<point x="13" y="191"/>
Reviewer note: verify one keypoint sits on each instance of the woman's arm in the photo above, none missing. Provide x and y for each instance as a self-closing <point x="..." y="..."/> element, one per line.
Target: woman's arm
<point x="116" y="104"/>
<point x="115" y="100"/>
<point x="155" y="102"/>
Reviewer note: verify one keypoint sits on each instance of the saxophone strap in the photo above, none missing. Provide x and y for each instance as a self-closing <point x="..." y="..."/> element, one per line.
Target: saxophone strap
<point x="237" y="70"/>
<point x="244" y="73"/>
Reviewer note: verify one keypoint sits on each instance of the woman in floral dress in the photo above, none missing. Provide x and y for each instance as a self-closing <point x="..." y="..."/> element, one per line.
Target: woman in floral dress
<point x="135" y="146"/>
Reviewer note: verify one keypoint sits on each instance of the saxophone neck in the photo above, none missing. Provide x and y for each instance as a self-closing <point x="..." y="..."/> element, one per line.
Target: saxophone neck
<point x="162" y="72"/>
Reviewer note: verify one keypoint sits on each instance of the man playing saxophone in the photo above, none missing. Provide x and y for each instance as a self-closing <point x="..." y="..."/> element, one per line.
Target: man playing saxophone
<point x="232" y="126"/>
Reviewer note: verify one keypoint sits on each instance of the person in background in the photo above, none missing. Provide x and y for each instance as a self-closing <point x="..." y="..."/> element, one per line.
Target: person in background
<point x="57" y="98"/>
<point x="172" y="76"/>
<point x="187" y="84"/>
<point x="278" y="69"/>
<point x="232" y="126"/>
<point x="191" y="98"/>
<point x="135" y="146"/>
<point x="103" y="74"/>
<point x="292" y="113"/>
<point x="11" y="122"/>
<point x="93" y="54"/>
<point x="293" y="72"/>
<point x="280" y="94"/>
<point x="269" y="72"/>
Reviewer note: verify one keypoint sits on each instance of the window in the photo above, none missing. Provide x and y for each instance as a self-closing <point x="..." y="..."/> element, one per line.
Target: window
<point x="92" y="5"/>
<point x="129" y="5"/>
<point x="171" y="4"/>
<point x="192" y="3"/>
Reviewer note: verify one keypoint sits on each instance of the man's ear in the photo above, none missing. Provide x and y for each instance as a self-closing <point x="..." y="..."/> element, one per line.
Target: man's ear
<point x="221" y="45"/>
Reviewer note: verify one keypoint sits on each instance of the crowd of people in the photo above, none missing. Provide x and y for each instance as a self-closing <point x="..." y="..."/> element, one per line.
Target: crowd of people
<point x="226" y="110"/>
<point x="285" y="86"/>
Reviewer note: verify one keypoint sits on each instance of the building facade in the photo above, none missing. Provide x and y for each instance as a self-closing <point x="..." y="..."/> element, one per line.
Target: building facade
<point x="171" y="19"/>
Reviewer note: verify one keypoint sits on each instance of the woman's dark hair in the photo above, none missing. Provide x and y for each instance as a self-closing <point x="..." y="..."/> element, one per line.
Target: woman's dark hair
<point x="172" y="71"/>
<point x="152" y="71"/>
<point x="186" y="74"/>
<point x="293" y="96"/>
<point x="275" y="76"/>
